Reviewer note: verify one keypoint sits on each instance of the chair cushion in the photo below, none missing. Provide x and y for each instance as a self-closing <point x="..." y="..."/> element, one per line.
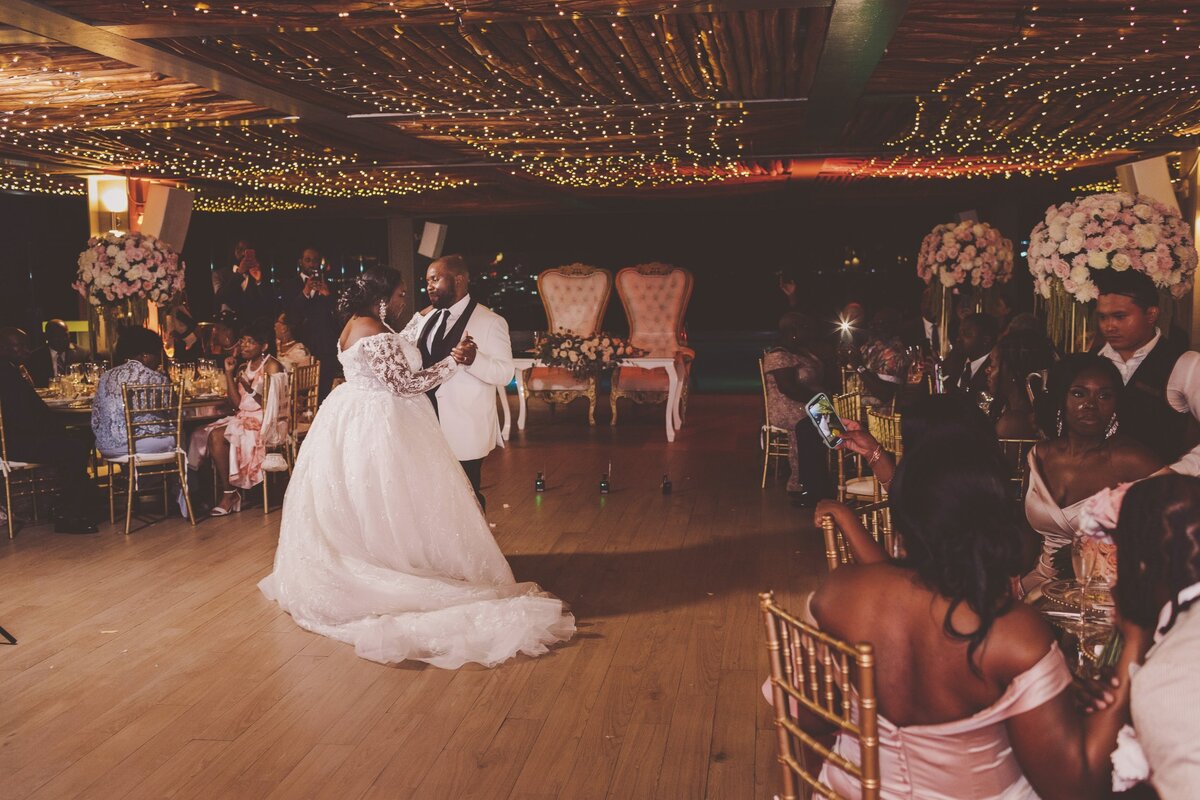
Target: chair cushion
<point x="575" y="298"/>
<point x="861" y="487"/>
<point x="146" y="458"/>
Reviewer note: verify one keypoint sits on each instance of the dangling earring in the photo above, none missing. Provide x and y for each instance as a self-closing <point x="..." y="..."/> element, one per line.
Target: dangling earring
<point x="383" y="310"/>
<point x="1059" y="418"/>
<point x="1112" y="427"/>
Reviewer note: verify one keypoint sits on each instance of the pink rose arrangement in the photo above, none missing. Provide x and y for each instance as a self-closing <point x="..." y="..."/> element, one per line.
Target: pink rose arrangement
<point x="584" y="355"/>
<point x="1110" y="231"/>
<point x="965" y="254"/>
<point x="119" y="266"/>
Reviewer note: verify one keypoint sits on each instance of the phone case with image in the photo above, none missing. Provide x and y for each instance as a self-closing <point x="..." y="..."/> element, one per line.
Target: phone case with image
<point x="829" y="425"/>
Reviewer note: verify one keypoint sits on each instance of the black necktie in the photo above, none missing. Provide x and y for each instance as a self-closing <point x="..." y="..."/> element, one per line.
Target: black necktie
<point x="440" y="332"/>
<point x="965" y="380"/>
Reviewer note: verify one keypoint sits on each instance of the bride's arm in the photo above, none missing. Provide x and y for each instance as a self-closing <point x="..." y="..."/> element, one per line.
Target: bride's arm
<point x="413" y="329"/>
<point x="385" y="357"/>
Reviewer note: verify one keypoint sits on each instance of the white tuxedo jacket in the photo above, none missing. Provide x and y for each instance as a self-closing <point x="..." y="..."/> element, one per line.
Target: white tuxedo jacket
<point x="467" y="402"/>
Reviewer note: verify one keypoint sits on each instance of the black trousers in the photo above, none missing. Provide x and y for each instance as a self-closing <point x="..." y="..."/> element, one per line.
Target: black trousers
<point x="67" y="452"/>
<point x="813" y="461"/>
<point x="474" y="470"/>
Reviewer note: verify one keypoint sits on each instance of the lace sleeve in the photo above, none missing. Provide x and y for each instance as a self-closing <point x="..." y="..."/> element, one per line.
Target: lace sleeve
<point x="385" y="356"/>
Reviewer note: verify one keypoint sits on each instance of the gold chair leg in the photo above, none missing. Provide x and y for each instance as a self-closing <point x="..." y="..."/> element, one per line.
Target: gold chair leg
<point x="766" y="461"/>
<point x="8" y="507"/>
<point x="266" y="493"/>
<point x="612" y="402"/>
<point x="112" y="495"/>
<point x="129" y="502"/>
<point x="183" y="487"/>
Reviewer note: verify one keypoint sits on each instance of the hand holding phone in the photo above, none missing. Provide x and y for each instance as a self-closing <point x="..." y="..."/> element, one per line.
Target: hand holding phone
<point x="829" y="425"/>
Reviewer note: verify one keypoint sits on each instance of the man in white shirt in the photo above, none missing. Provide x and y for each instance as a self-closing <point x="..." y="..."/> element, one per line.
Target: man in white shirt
<point x="1160" y="406"/>
<point x="967" y="365"/>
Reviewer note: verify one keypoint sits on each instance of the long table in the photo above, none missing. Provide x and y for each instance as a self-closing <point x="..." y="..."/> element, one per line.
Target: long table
<point x="195" y="410"/>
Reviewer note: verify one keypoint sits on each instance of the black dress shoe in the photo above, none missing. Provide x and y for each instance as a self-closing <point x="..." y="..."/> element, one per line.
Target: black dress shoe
<point x="73" y="524"/>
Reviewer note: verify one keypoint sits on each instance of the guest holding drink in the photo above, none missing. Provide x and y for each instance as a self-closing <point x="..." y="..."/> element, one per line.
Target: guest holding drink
<point x="236" y="445"/>
<point x="1086" y="451"/>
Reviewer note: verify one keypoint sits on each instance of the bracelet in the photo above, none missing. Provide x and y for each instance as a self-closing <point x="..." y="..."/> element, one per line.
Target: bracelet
<point x="871" y="459"/>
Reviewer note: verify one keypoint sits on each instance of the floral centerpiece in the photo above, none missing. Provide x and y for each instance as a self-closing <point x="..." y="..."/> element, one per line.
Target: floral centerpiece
<point x="1105" y="231"/>
<point x="121" y="266"/>
<point x="962" y="257"/>
<point x="1097" y="551"/>
<point x="584" y="355"/>
<point x="965" y="254"/>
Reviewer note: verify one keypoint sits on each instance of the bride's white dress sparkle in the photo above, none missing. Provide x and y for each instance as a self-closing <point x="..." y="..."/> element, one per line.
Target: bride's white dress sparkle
<point x="382" y="544"/>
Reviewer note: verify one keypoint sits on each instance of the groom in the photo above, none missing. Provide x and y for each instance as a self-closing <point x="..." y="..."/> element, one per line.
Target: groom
<point x="465" y="404"/>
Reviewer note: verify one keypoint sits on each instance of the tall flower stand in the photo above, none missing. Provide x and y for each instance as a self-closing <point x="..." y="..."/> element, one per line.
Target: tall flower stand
<point x="104" y="322"/>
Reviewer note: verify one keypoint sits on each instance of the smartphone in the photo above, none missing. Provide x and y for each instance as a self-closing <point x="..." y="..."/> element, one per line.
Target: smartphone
<point x="829" y="424"/>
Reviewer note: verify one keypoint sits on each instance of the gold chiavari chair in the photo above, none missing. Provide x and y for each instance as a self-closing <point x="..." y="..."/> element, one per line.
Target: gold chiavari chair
<point x="818" y="675"/>
<point x="885" y="427"/>
<point x="772" y="439"/>
<point x="20" y="481"/>
<point x="857" y="487"/>
<point x="152" y="411"/>
<point x="306" y="398"/>
<point x="875" y="517"/>
<point x="277" y="446"/>
<point x="1016" y="455"/>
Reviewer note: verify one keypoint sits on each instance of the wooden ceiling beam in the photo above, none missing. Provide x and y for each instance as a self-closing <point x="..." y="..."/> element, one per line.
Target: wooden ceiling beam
<point x="44" y="21"/>
<point x="858" y="35"/>
<point x="188" y="30"/>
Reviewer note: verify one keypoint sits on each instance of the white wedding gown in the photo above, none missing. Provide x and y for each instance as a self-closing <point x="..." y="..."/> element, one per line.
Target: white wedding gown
<point x="382" y="543"/>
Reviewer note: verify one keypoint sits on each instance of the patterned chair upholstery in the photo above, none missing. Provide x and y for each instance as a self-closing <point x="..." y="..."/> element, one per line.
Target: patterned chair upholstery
<point x="575" y="298"/>
<point x="656" y="298"/>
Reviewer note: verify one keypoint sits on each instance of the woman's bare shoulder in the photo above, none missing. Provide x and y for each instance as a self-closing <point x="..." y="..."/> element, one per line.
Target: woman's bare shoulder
<point x="360" y="328"/>
<point x="1132" y="459"/>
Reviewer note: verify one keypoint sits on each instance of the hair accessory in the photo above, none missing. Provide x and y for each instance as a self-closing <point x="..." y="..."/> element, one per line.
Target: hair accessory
<point x="1058" y="427"/>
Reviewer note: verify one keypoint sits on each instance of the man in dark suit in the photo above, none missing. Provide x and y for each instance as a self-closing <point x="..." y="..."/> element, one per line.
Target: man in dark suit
<point x="55" y="357"/>
<point x="967" y="366"/>
<point x="33" y="435"/>
<point x="308" y="300"/>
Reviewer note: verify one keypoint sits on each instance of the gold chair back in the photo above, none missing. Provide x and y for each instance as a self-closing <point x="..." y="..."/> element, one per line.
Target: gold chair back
<point x="773" y="440"/>
<point x="1016" y="455"/>
<point x="875" y="517"/>
<point x="832" y="680"/>
<point x="885" y="427"/>
<point x="850" y="406"/>
<point x="152" y="411"/>
<point x="305" y="383"/>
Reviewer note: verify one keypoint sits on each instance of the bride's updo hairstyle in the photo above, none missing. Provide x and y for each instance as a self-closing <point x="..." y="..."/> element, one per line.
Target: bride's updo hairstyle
<point x="951" y="504"/>
<point x="363" y="296"/>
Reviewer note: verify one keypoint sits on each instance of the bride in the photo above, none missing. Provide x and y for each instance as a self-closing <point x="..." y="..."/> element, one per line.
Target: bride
<point x="382" y="544"/>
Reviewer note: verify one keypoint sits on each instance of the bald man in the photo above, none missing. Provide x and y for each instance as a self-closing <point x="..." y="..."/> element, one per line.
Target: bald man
<point x="34" y="435"/>
<point x="466" y="403"/>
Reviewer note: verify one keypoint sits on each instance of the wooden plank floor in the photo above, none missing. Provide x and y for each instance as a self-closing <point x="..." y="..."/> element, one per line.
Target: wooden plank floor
<point x="150" y="666"/>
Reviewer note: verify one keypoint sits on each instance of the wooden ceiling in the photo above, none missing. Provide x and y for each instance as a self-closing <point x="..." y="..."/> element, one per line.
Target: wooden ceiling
<point x="441" y="107"/>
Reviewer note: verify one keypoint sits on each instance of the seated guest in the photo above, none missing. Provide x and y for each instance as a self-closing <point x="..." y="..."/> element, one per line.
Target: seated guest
<point x="794" y="373"/>
<point x="884" y="360"/>
<point x="34" y="435"/>
<point x="850" y="333"/>
<point x="225" y="335"/>
<point x="288" y="349"/>
<point x="138" y="356"/>
<point x="55" y="358"/>
<point x="1086" y="451"/>
<point x="237" y="445"/>
<point x="1016" y="355"/>
<point x="185" y="338"/>
<point x="973" y="694"/>
<point x="1158" y="583"/>
<point x="965" y="368"/>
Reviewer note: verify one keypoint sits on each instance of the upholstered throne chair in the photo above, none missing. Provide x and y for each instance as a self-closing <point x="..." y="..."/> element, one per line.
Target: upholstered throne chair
<point x="656" y="298"/>
<point x="575" y="298"/>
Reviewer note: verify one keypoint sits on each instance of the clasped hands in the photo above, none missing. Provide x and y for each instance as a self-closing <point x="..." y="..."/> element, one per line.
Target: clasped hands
<point x="464" y="352"/>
